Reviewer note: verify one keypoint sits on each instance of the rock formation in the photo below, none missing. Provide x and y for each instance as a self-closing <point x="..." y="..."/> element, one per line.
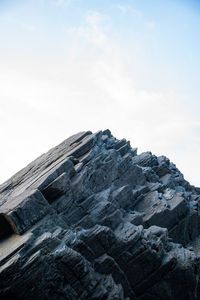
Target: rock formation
<point x="91" y="219"/>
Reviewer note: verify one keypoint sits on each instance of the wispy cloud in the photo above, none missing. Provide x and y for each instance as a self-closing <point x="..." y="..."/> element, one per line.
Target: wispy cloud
<point x="94" y="18"/>
<point x="59" y="3"/>
<point x="151" y="25"/>
<point x="62" y="3"/>
<point x="123" y="8"/>
<point x="93" y="30"/>
<point x="11" y="19"/>
<point x="128" y="8"/>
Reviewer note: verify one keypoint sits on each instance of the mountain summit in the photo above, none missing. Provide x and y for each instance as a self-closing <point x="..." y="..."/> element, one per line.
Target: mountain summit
<point x="92" y="219"/>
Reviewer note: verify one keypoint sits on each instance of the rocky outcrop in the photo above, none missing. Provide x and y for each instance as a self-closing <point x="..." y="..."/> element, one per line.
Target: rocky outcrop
<point x="91" y="219"/>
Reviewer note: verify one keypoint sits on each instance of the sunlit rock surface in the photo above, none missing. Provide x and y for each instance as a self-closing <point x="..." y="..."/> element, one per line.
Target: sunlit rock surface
<point x="91" y="219"/>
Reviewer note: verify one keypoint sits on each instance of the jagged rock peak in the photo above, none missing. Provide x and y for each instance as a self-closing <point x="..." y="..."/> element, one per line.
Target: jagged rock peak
<point x="92" y="219"/>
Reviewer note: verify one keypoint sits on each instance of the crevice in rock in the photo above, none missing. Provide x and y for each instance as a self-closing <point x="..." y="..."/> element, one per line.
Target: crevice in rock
<point x="7" y="226"/>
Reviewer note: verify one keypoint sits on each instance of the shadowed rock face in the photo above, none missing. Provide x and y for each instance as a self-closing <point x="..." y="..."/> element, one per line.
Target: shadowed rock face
<point x="91" y="219"/>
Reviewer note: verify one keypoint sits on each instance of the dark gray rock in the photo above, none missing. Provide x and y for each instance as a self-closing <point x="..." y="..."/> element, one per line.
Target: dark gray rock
<point x="57" y="187"/>
<point x="91" y="219"/>
<point x="146" y="159"/>
<point x="25" y="210"/>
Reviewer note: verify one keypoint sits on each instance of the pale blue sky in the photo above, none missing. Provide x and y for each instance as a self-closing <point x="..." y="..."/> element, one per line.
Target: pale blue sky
<point x="72" y="65"/>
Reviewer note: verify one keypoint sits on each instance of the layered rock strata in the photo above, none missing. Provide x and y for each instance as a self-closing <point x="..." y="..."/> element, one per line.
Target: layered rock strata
<point x="91" y="219"/>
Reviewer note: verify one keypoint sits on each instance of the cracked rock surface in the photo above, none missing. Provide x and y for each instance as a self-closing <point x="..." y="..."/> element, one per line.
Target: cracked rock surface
<point x="91" y="219"/>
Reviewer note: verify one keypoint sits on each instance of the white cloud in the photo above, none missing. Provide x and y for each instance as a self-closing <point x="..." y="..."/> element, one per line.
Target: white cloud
<point x="123" y="8"/>
<point x="151" y="25"/>
<point x="63" y="3"/>
<point x="128" y="8"/>
<point x="59" y="3"/>
<point x="93" y="30"/>
<point x="94" y="18"/>
<point x="11" y="19"/>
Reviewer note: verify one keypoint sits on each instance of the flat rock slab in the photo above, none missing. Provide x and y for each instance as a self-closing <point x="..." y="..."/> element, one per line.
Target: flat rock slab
<point x="12" y="245"/>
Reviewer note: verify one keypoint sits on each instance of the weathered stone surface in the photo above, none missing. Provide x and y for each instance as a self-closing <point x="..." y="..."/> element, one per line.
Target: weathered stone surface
<point x="91" y="219"/>
<point x="57" y="187"/>
<point x="25" y="210"/>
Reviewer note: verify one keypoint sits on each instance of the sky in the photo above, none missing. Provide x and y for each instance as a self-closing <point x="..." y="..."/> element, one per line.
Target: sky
<point x="72" y="65"/>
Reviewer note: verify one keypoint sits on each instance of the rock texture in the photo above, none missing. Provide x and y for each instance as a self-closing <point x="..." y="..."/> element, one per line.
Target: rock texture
<point x="91" y="219"/>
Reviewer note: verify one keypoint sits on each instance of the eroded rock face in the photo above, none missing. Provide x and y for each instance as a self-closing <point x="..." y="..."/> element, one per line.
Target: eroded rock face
<point x="91" y="219"/>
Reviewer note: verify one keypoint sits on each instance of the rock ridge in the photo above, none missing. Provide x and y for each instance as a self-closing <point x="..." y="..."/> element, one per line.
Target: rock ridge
<point x="92" y="219"/>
